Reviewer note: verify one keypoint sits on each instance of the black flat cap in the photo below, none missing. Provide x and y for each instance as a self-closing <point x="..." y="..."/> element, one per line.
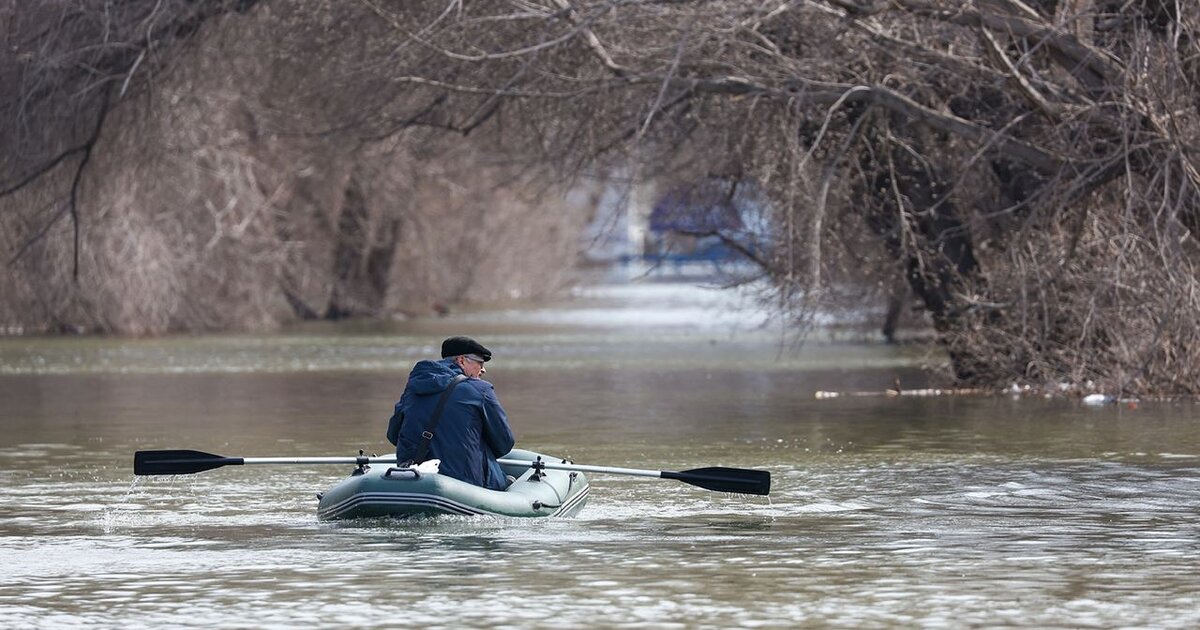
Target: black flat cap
<point x="455" y="346"/>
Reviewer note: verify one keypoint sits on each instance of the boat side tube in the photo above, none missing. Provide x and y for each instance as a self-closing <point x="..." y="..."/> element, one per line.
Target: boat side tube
<point x="401" y="492"/>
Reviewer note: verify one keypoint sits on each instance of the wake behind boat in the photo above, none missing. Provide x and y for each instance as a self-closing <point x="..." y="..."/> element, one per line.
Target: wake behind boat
<point x="406" y="491"/>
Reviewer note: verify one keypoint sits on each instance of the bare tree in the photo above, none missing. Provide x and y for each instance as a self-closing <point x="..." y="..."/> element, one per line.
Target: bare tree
<point x="1026" y="168"/>
<point x="242" y="165"/>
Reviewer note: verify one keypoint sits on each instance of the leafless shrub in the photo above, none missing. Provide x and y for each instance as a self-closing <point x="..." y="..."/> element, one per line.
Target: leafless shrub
<point x="1027" y="168"/>
<point x="259" y="171"/>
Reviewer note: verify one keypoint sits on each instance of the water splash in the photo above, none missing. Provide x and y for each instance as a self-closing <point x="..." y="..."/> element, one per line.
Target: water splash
<point x="111" y="515"/>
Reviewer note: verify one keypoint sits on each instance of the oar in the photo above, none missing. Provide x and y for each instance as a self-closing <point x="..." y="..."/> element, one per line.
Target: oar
<point x="741" y="480"/>
<point x="185" y="462"/>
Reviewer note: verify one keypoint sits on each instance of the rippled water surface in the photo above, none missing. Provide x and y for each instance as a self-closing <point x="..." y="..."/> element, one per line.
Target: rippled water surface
<point x="951" y="512"/>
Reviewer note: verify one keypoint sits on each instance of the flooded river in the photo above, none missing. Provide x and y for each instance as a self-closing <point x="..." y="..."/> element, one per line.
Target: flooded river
<point x="937" y="512"/>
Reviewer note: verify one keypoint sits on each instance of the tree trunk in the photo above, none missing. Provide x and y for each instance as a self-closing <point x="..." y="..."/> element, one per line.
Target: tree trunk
<point x="908" y="208"/>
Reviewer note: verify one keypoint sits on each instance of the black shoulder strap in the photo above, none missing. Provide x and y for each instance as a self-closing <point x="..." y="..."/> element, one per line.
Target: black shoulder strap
<point x="395" y="423"/>
<point x="427" y="434"/>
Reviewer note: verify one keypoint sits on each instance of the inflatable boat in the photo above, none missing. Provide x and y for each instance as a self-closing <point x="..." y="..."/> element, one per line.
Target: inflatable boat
<point x="543" y="486"/>
<point x="402" y="491"/>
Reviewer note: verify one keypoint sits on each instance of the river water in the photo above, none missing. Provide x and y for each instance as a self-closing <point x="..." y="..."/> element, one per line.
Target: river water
<point x="885" y="511"/>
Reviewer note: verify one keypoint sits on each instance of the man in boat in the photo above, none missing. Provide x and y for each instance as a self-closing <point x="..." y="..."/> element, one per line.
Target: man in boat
<point x="471" y="430"/>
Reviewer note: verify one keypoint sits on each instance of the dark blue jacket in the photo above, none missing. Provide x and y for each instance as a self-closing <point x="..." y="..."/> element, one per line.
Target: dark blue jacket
<point x="473" y="430"/>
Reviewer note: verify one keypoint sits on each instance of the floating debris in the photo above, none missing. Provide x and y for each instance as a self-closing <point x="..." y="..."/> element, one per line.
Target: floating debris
<point x="964" y="391"/>
<point x="1098" y="399"/>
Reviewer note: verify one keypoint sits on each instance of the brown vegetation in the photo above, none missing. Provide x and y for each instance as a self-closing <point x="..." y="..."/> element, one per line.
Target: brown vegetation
<point x="168" y="168"/>
<point x="1025" y="168"/>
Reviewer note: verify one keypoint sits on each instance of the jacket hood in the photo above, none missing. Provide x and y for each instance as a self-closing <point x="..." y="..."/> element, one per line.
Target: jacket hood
<point x="431" y="377"/>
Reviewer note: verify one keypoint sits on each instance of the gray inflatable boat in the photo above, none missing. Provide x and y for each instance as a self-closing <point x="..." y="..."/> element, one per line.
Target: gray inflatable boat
<point x="381" y="490"/>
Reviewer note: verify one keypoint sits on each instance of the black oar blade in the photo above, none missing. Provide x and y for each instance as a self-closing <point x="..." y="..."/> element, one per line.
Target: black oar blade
<point x="740" y="480"/>
<point x="178" y="462"/>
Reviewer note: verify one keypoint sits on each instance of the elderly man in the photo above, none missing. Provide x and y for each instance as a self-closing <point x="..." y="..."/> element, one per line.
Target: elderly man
<point x="446" y="412"/>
